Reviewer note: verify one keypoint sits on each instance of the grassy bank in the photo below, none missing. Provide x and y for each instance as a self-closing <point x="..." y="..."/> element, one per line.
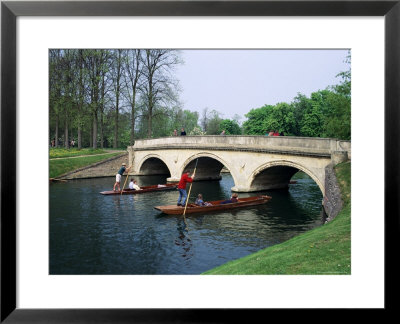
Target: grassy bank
<point x="64" y="153"/>
<point x="323" y="250"/>
<point x="62" y="166"/>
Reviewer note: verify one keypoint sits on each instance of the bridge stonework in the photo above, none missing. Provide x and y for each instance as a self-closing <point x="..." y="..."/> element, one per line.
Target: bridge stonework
<point x="255" y="162"/>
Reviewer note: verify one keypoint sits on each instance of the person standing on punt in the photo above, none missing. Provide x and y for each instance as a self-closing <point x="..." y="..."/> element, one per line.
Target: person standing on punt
<point x="119" y="175"/>
<point x="182" y="188"/>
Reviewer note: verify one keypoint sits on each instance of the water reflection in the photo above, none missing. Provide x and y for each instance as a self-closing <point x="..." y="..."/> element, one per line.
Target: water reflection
<point x="183" y="240"/>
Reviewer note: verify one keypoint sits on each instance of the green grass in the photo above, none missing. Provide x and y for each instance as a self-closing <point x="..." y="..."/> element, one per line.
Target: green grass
<point x="62" y="166"/>
<point x="323" y="250"/>
<point x="62" y="152"/>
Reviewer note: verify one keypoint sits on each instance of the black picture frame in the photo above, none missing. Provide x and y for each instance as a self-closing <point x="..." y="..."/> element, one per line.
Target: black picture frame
<point x="10" y="10"/>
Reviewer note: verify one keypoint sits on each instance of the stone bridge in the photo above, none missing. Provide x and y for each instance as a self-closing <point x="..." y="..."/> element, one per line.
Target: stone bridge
<point x="255" y="162"/>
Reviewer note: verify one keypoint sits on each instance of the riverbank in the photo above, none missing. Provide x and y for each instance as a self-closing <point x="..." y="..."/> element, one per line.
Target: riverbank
<point x="62" y="161"/>
<point x="323" y="250"/>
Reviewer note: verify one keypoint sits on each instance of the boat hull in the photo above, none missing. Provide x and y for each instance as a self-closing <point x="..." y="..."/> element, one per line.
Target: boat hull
<point x="146" y="189"/>
<point x="216" y="206"/>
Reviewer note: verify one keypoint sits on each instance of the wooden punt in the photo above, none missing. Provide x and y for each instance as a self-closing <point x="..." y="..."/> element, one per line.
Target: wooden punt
<point x="168" y="186"/>
<point x="215" y="206"/>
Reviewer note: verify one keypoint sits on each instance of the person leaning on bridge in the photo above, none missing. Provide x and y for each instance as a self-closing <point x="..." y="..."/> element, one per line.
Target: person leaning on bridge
<point x="183" y="133"/>
<point x="182" y="188"/>
<point x="119" y="175"/>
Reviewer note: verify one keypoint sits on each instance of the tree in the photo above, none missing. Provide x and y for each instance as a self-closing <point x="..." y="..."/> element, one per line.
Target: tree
<point x="204" y="120"/>
<point x="116" y="68"/>
<point x="231" y="127"/>
<point x="80" y="97"/>
<point x="338" y="118"/>
<point x="312" y="123"/>
<point x="132" y="75"/>
<point x="256" y="121"/>
<point x="214" y="121"/>
<point x="282" y="119"/>
<point x="95" y="61"/>
<point x="300" y="105"/>
<point x="55" y="89"/>
<point x="159" y="87"/>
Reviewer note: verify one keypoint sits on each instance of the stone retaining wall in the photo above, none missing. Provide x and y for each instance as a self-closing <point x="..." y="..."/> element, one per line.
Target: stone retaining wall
<point x="333" y="199"/>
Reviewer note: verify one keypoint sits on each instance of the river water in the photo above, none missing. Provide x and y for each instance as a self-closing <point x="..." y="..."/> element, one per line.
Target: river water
<point x="95" y="234"/>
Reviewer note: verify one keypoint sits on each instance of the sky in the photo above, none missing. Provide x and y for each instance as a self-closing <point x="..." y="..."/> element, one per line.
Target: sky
<point x="236" y="81"/>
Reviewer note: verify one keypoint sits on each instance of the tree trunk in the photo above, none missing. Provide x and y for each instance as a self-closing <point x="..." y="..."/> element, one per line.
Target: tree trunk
<point x="102" y="113"/>
<point x="150" y="121"/>
<point x="91" y="135"/>
<point x="81" y="96"/>
<point x="101" y="129"/>
<point x="79" y="137"/>
<point x="56" y="134"/>
<point x="95" y="130"/>
<point x="132" y="139"/>
<point x="66" y="142"/>
<point x="116" y="125"/>
<point x="150" y="103"/>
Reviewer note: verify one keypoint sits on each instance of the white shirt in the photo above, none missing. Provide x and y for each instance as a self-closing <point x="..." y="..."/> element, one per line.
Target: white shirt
<point x="133" y="186"/>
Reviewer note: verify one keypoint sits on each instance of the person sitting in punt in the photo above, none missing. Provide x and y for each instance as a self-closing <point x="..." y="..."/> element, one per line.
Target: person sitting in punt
<point x="200" y="202"/>
<point x="133" y="185"/>
<point x="234" y="198"/>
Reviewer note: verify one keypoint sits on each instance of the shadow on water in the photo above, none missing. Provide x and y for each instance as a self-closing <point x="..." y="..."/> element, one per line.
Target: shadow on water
<point x="95" y="234"/>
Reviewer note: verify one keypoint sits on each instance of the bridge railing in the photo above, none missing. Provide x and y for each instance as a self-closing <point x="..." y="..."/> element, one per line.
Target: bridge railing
<point x="274" y="143"/>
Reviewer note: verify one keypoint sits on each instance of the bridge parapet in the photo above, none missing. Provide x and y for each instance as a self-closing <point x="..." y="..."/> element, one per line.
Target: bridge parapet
<point x="274" y="144"/>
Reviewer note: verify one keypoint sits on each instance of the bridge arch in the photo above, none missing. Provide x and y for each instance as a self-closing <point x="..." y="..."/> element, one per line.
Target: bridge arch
<point x="152" y="164"/>
<point x="209" y="166"/>
<point x="280" y="171"/>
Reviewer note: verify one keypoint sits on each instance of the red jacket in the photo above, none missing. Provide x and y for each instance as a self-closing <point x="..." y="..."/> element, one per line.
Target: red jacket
<point x="184" y="180"/>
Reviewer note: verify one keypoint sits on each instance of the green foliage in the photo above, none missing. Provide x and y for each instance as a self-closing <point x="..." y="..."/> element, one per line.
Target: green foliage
<point x="231" y="127"/>
<point x="213" y="123"/>
<point x="256" y="121"/>
<point x="327" y="113"/>
<point x="282" y="119"/>
<point x="338" y="117"/>
<point x="196" y="131"/>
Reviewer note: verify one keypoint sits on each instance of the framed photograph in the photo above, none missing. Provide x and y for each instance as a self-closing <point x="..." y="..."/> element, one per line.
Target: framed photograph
<point x="32" y="289"/>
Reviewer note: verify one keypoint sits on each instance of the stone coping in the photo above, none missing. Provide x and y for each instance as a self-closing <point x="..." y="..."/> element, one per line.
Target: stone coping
<point x="285" y="151"/>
